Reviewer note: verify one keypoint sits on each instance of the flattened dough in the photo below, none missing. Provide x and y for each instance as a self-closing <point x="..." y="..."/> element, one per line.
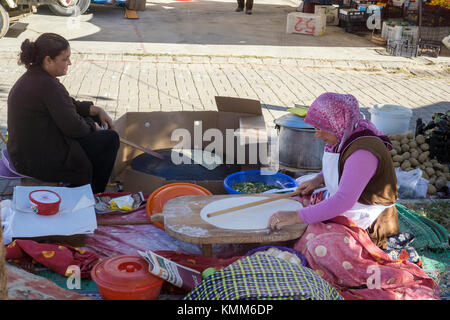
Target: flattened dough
<point x="254" y="218"/>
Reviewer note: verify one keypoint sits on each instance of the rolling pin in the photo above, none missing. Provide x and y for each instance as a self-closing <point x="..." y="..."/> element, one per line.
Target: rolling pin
<point x="146" y="150"/>
<point x="252" y="204"/>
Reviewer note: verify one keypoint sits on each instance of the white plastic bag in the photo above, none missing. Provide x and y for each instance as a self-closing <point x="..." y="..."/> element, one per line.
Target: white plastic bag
<point x="7" y="216"/>
<point x="446" y="41"/>
<point x="411" y="185"/>
<point x="304" y="178"/>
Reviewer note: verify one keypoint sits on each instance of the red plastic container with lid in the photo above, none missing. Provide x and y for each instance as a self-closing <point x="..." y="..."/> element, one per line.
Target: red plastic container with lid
<point x="44" y="202"/>
<point x="126" y="278"/>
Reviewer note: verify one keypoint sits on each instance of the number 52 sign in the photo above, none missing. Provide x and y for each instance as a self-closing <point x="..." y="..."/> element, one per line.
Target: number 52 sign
<point x="305" y="23"/>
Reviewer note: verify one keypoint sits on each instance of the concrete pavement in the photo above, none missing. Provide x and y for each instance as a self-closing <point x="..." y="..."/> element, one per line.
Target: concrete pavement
<point x="122" y="83"/>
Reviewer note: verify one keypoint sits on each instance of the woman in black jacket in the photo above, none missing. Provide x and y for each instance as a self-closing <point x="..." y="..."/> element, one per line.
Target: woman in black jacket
<point x="53" y="137"/>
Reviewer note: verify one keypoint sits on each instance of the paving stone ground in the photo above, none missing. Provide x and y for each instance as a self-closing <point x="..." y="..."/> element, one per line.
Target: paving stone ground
<point x="123" y="83"/>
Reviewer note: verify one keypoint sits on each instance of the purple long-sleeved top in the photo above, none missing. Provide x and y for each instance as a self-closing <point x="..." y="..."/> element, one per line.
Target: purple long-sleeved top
<point x="359" y="168"/>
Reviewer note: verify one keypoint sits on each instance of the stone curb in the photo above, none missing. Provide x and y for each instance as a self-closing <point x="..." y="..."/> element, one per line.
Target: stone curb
<point x="423" y="67"/>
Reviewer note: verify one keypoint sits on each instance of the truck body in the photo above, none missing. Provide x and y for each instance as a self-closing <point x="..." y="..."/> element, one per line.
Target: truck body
<point x="12" y="11"/>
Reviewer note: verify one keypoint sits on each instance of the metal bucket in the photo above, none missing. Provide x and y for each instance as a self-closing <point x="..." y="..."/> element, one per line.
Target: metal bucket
<point x="298" y="148"/>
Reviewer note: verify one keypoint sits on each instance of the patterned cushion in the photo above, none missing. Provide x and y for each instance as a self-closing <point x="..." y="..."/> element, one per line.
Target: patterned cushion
<point x="263" y="277"/>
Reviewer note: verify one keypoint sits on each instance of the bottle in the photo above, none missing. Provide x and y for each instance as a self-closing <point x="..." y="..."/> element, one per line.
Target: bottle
<point x="208" y="272"/>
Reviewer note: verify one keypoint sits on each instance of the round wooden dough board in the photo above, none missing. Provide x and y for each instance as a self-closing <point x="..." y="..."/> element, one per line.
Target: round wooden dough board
<point x="253" y="218"/>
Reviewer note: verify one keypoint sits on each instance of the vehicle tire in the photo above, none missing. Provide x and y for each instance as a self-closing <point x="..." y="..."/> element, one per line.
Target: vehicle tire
<point x="77" y="8"/>
<point x="4" y="21"/>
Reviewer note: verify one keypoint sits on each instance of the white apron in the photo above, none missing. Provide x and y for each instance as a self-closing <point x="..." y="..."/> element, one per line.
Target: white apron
<point x="363" y="215"/>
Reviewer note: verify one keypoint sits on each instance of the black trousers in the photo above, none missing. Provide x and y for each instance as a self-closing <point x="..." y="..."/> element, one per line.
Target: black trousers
<point x="248" y="4"/>
<point x="101" y="148"/>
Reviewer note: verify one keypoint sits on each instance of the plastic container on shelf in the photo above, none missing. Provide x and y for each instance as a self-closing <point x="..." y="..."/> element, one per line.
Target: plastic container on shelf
<point x="391" y="119"/>
<point x="126" y="278"/>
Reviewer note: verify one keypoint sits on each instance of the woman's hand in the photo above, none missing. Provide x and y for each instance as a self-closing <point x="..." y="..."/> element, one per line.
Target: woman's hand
<point x="104" y="118"/>
<point x="307" y="187"/>
<point x="97" y="127"/>
<point x="283" y="218"/>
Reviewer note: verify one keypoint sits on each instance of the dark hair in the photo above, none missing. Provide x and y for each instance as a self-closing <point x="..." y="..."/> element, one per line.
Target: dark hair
<point x="47" y="44"/>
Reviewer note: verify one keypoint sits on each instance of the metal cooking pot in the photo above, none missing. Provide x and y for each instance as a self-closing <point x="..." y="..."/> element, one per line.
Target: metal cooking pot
<point x="298" y="146"/>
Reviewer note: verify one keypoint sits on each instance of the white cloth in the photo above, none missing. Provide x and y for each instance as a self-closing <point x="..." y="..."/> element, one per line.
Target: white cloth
<point x="330" y="171"/>
<point x="7" y="216"/>
<point x="363" y="215"/>
<point x="76" y="213"/>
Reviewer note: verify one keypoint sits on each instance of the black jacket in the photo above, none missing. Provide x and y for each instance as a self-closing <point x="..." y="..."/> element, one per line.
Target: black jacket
<point x="43" y="124"/>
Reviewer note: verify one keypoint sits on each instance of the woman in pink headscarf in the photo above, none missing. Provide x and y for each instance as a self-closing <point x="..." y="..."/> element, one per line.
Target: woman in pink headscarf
<point x="349" y="228"/>
<point x="357" y="171"/>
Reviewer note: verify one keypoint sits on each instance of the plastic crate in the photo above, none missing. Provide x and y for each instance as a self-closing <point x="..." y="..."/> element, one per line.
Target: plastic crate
<point x="402" y="48"/>
<point x="430" y="48"/>
<point x="352" y="15"/>
<point x="434" y="33"/>
<point x="353" y="21"/>
<point x="411" y="33"/>
<point x="408" y="34"/>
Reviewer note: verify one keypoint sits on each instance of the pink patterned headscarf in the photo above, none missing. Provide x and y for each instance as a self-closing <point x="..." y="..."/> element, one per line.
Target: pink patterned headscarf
<point x="338" y="114"/>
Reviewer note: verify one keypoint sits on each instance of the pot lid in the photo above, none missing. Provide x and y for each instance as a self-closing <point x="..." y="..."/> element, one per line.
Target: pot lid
<point x="124" y="273"/>
<point x="390" y="109"/>
<point x="293" y="121"/>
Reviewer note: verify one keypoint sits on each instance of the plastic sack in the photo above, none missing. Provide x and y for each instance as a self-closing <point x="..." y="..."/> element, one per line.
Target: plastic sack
<point x="446" y="41"/>
<point x="411" y="185"/>
<point x="6" y="215"/>
<point x="304" y="178"/>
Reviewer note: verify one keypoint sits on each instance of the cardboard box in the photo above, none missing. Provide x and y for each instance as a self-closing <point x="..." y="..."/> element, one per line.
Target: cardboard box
<point x="331" y="13"/>
<point x="306" y="23"/>
<point x="238" y="122"/>
<point x="137" y="5"/>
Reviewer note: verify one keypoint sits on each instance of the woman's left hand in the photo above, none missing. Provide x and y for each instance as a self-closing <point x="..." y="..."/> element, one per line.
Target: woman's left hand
<point x="104" y="118"/>
<point x="283" y="218"/>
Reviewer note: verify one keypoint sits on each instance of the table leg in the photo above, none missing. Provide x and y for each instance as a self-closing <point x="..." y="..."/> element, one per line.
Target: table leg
<point x="207" y="250"/>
